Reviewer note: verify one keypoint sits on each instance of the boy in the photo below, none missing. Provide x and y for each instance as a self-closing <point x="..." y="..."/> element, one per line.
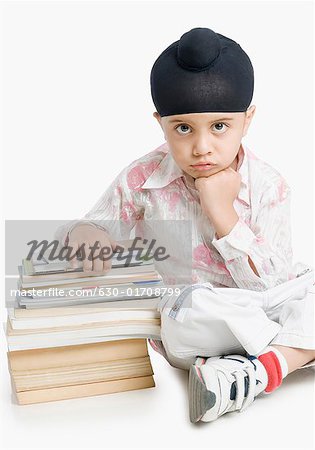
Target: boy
<point x="236" y="342"/>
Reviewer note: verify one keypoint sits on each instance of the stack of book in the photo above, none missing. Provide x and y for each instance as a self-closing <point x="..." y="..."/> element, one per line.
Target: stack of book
<point x="59" y="373"/>
<point x="71" y="335"/>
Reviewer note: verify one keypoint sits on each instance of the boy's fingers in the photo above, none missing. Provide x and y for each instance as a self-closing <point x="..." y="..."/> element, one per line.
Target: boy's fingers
<point x="96" y="255"/>
<point x="107" y="263"/>
<point x="106" y="258"/>
<point x="97" y="262"/>
<point x="73" y="257"/>
<point x="88" y="263"/>
<point x="98" y="265"/>
<point x="112" y="243"/>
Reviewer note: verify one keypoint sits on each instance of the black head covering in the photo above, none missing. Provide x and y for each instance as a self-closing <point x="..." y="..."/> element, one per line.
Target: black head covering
<point x="202" y="72"/>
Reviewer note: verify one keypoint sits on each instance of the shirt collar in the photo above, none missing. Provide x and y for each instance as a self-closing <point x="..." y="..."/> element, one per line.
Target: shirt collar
<point x="242" y="169"/>
<point x="168" y="171"/>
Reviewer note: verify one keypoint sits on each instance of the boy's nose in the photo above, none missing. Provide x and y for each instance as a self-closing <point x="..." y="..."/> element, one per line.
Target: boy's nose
<point x="202" y="145"/>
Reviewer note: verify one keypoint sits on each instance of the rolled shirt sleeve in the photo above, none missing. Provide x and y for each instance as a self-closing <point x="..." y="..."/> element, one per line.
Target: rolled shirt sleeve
<point x="267" y="242"/>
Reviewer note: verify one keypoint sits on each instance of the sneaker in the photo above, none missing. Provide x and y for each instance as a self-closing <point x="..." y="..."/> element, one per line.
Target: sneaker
<point x="222" y="384"/>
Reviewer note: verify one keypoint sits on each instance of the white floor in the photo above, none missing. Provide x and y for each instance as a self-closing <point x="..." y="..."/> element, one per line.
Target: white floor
<point x="158" y="417"/>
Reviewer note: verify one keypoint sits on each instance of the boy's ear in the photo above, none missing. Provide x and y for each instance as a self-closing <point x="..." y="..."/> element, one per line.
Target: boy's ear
<point x="159" y="119"/>
<point x="157" y="116"/>
<point x="249" y="114"/>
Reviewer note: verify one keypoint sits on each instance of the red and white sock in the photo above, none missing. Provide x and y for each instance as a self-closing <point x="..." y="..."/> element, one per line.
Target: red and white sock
<point x="276" y="367"/>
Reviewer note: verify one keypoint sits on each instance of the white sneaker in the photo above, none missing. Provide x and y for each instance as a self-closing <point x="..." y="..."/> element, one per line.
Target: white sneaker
<point x="222" y="384"/>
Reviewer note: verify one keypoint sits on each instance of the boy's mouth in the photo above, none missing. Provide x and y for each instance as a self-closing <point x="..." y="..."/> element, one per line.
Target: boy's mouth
<point x="203" y="166"/>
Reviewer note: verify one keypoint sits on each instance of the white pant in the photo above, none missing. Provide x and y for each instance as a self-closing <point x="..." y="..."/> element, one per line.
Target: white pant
<point x="207" y="321"/>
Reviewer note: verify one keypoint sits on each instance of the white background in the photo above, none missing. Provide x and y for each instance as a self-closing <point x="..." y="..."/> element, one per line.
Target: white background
<point x="76" y="109"/>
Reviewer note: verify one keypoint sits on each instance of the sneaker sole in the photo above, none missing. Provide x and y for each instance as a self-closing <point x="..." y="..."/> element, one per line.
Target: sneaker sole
<point x="200" y="399"/>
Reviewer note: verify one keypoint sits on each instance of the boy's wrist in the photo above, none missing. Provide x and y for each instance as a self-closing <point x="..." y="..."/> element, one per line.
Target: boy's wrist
<point x="223" y="220"/>
<point x="83" y="222"/>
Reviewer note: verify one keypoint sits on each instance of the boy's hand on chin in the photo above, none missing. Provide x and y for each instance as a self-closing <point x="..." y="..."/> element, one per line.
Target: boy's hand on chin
<point x="218" y="191"/>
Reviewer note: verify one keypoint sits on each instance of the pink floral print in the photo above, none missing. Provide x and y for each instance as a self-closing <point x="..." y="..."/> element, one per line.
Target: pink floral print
<point x="154" y="187"/>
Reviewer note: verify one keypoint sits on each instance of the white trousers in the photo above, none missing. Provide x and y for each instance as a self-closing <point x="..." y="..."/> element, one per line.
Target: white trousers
<point x="206" y="321"/>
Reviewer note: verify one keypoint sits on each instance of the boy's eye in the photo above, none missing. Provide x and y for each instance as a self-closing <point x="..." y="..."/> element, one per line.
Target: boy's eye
<point x="182" y="129"/>
<point x="220" y="127"/>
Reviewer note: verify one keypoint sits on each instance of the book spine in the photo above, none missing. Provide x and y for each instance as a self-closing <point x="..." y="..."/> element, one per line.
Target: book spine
<point x="78" y="320"/>
<point x="76" y="354"/>
<point x="84" y="390"/>
<point x="80" y="376"/>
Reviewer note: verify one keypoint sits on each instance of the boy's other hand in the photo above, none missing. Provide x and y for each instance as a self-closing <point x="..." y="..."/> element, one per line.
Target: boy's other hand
<point x="87" y="235"/>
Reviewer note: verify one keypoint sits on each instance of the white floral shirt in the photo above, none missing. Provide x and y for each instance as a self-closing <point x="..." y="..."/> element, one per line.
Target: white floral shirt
<point x="154" y="188"/>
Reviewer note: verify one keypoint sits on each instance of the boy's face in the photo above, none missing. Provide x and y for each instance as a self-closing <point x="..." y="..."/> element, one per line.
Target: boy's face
<point x="205" y="138"/>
